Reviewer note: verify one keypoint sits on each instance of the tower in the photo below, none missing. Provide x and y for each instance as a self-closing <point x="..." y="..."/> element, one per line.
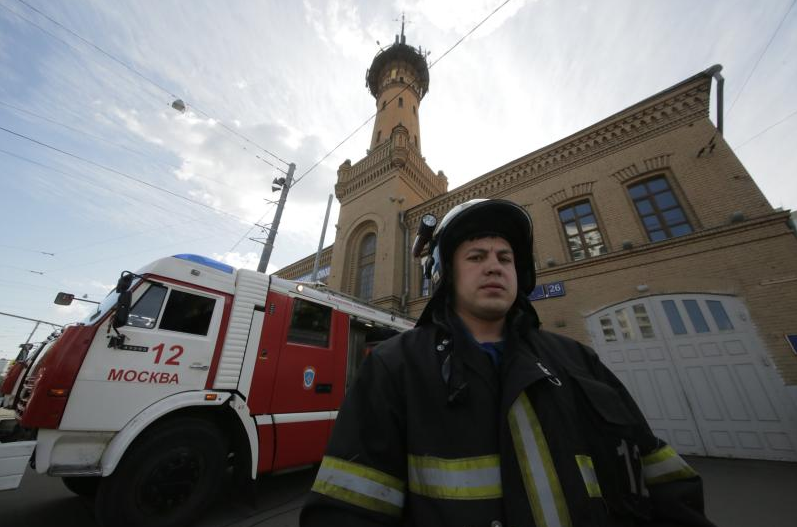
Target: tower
<point x="393" y="177"/>
<point x="398" y="79"/>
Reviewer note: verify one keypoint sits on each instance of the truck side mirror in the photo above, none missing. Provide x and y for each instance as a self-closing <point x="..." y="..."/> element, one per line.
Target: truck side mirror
<point x="63" y="299"/>
<point x="122" y="309"/>
<point x="123" y="284"/>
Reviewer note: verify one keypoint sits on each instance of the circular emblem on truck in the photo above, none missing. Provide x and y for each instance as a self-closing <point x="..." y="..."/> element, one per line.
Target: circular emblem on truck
<point x="309" y="377"/>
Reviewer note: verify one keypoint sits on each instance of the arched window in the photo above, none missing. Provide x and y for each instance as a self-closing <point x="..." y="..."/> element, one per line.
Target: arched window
<point x="401" y="102"/>
<point x="365" y="267"/>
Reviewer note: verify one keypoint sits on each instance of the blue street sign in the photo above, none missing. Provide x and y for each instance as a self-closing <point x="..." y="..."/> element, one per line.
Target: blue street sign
<point x="551" y="290"/>
<point x="537" y="293"/>
<point x="793" y="342"/>
<point x="555" y="289"/>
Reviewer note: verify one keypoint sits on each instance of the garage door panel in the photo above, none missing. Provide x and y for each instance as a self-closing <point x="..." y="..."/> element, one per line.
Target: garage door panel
<point x="647" y="394"/>
<point x="710" y="349"/>
<point x="734" y="347"/>
<point x="687" y="351"/>
<point x="749" y="440"/>
<point x="729" y="393"/>
<point x="756" y="394"/>
<point x="703" y="394"/>
<point x="686" y="438"/>
<point x="669" y="395"/>
<point x="778" y="441"/>
<point x="656" y="354"/>
<point x="722" y="439"/>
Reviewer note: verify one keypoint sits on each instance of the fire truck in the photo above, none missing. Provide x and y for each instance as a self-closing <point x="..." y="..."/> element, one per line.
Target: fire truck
<point x="188" y="372"/>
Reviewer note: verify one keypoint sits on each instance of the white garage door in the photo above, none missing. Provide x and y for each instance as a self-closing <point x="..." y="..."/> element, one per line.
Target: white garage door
<point x="700" y="374"/>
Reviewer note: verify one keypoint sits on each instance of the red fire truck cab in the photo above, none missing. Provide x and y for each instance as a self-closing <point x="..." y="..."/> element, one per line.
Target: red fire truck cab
<point x="188" y="367"/>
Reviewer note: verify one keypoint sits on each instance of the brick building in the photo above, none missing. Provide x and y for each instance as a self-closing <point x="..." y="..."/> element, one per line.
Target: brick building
<point x="652" y="244"/>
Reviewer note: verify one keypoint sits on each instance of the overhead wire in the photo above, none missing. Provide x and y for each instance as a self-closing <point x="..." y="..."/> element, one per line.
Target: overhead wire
<point x="361" y="126"/>
<point x="123" y="174"/>
<point x="760" y="56"/>
<point x="765" y="130"/>
<point x="153" y="82"/>
<point x="105" y="140"/>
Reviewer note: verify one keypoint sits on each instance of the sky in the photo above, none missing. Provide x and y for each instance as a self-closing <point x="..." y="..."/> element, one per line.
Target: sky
<point x="99" y="174"/>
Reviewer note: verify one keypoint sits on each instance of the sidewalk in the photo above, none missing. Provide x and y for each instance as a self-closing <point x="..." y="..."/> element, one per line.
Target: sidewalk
<point x="748" y="493"/>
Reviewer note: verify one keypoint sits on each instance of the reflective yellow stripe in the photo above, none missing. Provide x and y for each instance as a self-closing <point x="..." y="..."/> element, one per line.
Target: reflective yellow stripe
<point x="470" y="478"/>
<point x="590" y="478"/>
<point x="547" y="501"/>
<point x="360" y="485"/>
<point x="665" y="465"/>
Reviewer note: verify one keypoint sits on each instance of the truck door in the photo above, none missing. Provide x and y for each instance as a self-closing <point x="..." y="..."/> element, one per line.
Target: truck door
<point x="302" y="401"/>
<point x="170" y="337"/>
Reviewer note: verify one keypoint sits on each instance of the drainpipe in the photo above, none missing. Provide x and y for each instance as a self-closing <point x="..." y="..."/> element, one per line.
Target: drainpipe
<point x="405" y="286"/>
<point x="714" y="71"/>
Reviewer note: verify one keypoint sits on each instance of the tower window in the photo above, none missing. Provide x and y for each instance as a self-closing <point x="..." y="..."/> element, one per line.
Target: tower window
<point x="401" y="102"/>
<point x="401" y="79"/>
<point x="416" y="140"/>
<point x="365" y="267"/>
<point x="413" y="109"/>
<point x="384" y="104"/>
<point x="659" y="210"/>
<point x="378" y="135"/>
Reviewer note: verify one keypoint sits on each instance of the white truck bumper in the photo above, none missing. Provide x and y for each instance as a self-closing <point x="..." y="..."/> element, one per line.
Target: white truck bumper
<point x="14" y="458"/>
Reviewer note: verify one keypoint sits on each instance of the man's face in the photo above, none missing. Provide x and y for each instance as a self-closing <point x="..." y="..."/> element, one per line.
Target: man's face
<point x="485" y="280"/>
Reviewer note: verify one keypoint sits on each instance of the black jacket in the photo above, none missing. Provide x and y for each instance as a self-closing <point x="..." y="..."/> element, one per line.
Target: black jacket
<point x="433" y="434"/>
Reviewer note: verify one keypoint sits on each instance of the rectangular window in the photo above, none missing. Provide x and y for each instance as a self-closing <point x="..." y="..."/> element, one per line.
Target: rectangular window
<point x="643" y="321"/>
<point x="146" y="310"/>
<point x="581" y="231"/>
<point x="187" y="313"/>
<point x="401" y="102"/>
<point x="659" y="210"/>
<point x="696" y="316"/>
<point x="310" y="324"/>
<point x="625" y="326"/>
<point x="608" y="329"/>
<point x="674" y="317"/>
<point x="720" y="315"/>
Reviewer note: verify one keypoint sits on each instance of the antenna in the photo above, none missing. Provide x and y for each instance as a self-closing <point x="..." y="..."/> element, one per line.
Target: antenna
<point x="402" y="39"/>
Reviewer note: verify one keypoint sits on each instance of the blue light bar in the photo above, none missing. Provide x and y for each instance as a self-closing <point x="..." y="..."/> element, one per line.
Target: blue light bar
<point x="209" y="262"/>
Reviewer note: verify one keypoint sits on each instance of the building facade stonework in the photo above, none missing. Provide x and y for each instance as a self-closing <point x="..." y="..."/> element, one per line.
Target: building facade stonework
<point x="652" y="244"/>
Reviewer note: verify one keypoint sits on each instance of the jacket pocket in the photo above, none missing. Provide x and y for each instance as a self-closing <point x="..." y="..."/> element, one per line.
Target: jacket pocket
<point x="605" y="401"/>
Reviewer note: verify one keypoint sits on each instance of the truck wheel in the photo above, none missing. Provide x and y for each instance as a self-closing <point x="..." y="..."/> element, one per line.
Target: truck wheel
<point x="82" y="486"/>
<point x="166" y="478"/>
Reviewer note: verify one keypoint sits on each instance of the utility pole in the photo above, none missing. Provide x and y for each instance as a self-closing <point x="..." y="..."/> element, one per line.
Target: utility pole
<point x="275" y="223"/>
<point x="317" y="262"/>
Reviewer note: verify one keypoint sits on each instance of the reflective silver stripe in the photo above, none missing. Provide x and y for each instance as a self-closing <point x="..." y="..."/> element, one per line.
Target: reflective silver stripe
<point x="360" y="485"/>
<point x="472" y="478"/>
<point x="665" y="465"/>
<point x="590" y="478"/>
<point x="547" y="501"/>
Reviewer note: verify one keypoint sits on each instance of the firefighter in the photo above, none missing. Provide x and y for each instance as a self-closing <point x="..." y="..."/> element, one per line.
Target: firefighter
<point x="477" y="417"/>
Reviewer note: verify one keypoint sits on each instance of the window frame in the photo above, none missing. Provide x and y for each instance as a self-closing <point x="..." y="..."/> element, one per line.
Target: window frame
<point x="658" y="213"/>
<point x="362" y="261"/>
<point x="565" y="237"/>
<point x="216" y="300"/>
<point x="297" y="302"/>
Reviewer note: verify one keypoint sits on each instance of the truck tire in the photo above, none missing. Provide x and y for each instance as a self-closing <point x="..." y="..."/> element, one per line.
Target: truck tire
<point x="82" y="486"/>
<point x="166" y="478"/>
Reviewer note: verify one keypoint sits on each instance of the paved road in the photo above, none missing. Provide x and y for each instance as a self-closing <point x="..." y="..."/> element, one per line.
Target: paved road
<point x="43" y="501"/>
<point x="739" y="493"/>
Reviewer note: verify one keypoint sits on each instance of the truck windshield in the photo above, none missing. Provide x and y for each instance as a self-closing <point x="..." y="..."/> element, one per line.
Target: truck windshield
<point x="107" y="304"/>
